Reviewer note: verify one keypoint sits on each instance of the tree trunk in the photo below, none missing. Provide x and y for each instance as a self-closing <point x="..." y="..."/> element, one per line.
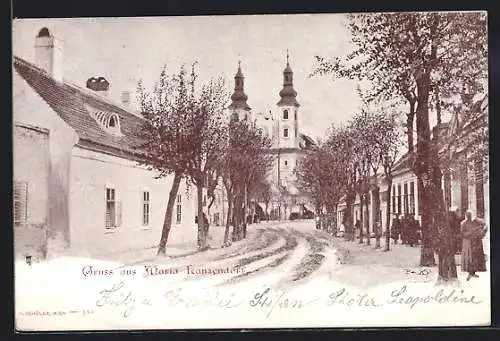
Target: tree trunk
<point x="237" y="216"/>
<point x="202" y="237"/>
<point x="361" y="218"/>
<point x="424" y="165"/>
<point x="447" y="268"/>
<point x="367" y="219"/>
<point x="167" y="221"/>
<point x="409" y="125"/>
<point x="228" y="220"/>
<point x="335" y="212"/>
<point x="349" y="219"/>
<point x="245" y="212"/>
<point x="388" y="215"/>
<point x="377" y="223"/>
<point x="438" y="107"/>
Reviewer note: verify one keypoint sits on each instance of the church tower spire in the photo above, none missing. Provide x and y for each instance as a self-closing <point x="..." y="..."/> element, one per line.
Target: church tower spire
<point x="239" y="98"/>
<point x="288" y="94"/>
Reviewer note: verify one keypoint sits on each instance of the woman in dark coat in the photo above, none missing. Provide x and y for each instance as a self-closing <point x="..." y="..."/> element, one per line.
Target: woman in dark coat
<point x="472" y="233"/>
<point x="396" y="229"/>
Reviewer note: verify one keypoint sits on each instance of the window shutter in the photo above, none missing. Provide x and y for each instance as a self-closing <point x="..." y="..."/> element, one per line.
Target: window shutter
<point x="118" y="213"/>
<point x="20" y="202"/>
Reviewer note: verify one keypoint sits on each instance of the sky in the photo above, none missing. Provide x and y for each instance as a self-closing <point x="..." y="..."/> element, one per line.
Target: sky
<point x="125" y="50"/>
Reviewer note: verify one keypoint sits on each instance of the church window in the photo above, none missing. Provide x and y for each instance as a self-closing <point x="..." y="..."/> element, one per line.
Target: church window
<point x="285" y="114"/>
<point x="285" y="132"/>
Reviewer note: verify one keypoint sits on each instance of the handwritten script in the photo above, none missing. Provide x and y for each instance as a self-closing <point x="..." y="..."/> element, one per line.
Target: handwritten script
<point x="268" y="300"/>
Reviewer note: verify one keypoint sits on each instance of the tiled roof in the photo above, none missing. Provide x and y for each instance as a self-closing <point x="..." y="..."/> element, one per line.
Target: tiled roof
<point x="309" y="142"/>
<point x="69" y="102"/>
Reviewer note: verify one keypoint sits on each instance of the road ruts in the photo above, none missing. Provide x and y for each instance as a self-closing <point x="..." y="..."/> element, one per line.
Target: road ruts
<point x="290" y="244"/>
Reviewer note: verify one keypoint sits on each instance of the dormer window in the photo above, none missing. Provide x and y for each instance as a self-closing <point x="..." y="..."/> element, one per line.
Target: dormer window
<point x="108" y="121"/>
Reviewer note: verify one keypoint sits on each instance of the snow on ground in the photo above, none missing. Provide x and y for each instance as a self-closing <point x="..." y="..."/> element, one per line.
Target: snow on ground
<point x="285" y="274"/>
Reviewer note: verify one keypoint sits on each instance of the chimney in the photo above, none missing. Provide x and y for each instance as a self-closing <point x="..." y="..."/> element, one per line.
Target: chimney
<point x="99" y="85"/>
<point x="125" y="98"/>
<point x="49" y="54"/>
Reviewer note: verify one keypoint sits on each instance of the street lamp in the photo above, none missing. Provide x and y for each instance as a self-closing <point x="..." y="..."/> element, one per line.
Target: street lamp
<point x="270" y="117"/>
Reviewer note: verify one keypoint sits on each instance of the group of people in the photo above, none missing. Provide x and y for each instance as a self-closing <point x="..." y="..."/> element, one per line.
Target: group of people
<point x="406" y="228"/>
<point x="467" y="235"/>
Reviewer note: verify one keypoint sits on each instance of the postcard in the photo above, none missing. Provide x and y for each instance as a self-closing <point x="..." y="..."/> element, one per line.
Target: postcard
<point x="251" y="171"/>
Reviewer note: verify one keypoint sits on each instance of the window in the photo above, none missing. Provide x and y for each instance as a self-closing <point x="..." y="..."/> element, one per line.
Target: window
<point x="285" y="114"/>
<point x="285" y="132"/>
<point x="113" y="209"/>
<point x="145" y="208"/>
<point x="286" y="162"/>
<point x="399" y="199"/>
<point x="405" y="198"/>
<point x="110" y="208"/>
<point x="20" y="202"/>
<point x="204" y="200"/>
<point x="178" y="213"/>
<point x="412" y="197"/>
<point x="393" y="199"/>
<point x="108" y="121"/>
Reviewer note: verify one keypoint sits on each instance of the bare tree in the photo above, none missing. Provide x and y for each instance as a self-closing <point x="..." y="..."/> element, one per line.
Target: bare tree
<point x="166" y="134"/>
<point x="434" y="54"/>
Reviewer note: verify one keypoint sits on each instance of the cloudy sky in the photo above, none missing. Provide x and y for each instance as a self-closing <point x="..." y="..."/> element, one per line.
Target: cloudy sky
<point x="124" y="50"/>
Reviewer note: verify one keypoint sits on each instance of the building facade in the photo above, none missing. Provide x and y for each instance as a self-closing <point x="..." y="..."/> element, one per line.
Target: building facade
<point x="463" y="188"/>
<point x="288" y="143"/>
<point x="78" y="180"/>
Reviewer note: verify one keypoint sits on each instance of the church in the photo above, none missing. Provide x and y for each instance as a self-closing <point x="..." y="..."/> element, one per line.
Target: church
<point x="288" y="144"/>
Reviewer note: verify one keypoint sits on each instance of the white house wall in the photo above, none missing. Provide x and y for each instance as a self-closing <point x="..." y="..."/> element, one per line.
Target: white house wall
<point x="30" y="108"/>
<point x="31" y="165"/>
<point x="91" y="173"/>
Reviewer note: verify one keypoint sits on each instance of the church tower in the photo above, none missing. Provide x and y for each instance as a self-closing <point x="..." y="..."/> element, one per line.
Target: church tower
<point x="287" y="120"/>
<point x="239" y="108"/>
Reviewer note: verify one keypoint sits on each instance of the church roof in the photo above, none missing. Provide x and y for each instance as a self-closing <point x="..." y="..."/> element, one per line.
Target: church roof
<point x="71" y="103"/>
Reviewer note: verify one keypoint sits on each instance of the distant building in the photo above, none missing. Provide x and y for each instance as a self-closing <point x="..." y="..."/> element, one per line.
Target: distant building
<point x="78" y="185"/>
<point x="289" y="144"/>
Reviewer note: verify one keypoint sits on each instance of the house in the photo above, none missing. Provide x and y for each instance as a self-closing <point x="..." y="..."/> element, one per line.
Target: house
<point x="78" y="185"/>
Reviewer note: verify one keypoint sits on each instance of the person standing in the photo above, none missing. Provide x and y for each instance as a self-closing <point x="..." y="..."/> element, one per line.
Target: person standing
<point x="454" y="218"/>
<point x="396" y="229"/>
<point x="412" y="230"/>
<point x="357" y="227"/>
<point x="404" y="229"/>
<point x="472" y="233"/>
